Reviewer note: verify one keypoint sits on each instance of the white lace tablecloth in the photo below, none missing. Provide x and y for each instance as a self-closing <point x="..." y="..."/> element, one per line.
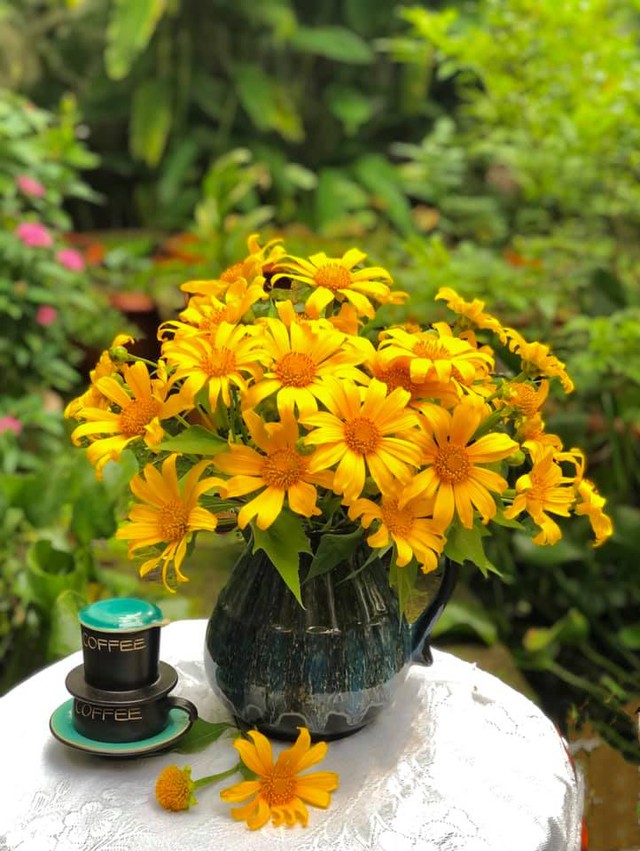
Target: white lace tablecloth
<point x="460" y="762"/>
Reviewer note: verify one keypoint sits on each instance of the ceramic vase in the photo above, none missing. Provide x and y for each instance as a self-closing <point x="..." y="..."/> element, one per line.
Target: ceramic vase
<point x="330" y="665"/>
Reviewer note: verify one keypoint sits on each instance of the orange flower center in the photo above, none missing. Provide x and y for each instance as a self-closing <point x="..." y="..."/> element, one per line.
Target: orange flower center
<point x="137" y="415"/>
<point x="431" y="349"/>
<point x="213" y="318"/>
<point x="283" y="468"/>
<point x="218" y="362"/>
<point x="397" y="375"/>
<point x="278" y="790"/>
<point x="362" y="435"/>
<point x="232" y="273"/>
<point x="295" y="369"/>
<point x="398" y="521"/>
<point x="525" y="398"/>
<point x="452" y="463"/>
<point x="173" y="788"/>
<point x="173" y="521"/>
<point x="333" y="276"/>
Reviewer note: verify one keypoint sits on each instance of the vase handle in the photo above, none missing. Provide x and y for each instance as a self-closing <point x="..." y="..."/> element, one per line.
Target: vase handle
<point x="422" y="627"/>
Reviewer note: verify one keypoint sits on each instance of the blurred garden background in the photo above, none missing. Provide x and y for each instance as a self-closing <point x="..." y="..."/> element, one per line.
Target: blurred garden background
<point x="492" y="146"/>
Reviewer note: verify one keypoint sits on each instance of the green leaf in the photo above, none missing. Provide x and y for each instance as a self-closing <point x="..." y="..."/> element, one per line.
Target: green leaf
<point x="333" y="43"/>
<point x="268" y="104"/>
<point x="560" y="553"/>
<point x="283" y="542"/>
<point x="500" y="520"/>
<point x="50" y="572"/>
<point x="572" y="629"/>
<point x="336" y="197"/>
<point x="93" y="516"/>
<point x="380" y="177"/>
<point x="333" y="550"/>
<point x="150" y="121"/>
<point x="195" y="440"/>
<point x="403" y="579"/>
<point x="377" y="553"/>
<point x="466" y="545"/>
<point x="201" y="734"/>
<point x="467" y="616"/>
<point x="131" y="25"/>
<point x="64" y="636"/>
<point x="629" y="636"/>
<point x="350" y="107"/>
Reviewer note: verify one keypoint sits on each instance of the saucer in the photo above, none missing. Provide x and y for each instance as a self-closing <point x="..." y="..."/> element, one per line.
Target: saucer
<point x="61" y="726"/>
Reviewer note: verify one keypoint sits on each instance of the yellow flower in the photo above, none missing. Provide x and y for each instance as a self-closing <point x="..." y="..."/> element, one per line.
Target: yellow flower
<point x="526" y="397"/>
<point x="259" y="262"/>
<point x="280" y="472"/>
<point x="280" y="792"/>
<point x="142" y="403"/>
<point x="454" y="476"/>
<point x="591" y="506"/>
<point x="204" y="313"/>
<point x="472" y="311"/>
<point x="363" y="429"/>
<point x="256" y="268"/>
<point x="409" y="524"/>
<point x="301" y="357"/>
<point x="397" y="373"/>
<point x="532" y="430"/>
<point x="537" y="358"/>
<point x="334" y="278"/>
<point x="544" y="490"/>
<point x="168" y="512"/>
<point x="175" y="788"/>
<point x="93" y="398"/>
<point x="437" y="355"/>
<point x="346" y="320"/>
<point x="224" y="358"/>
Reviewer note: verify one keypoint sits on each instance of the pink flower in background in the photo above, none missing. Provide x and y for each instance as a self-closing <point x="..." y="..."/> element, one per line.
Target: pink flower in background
<point x="10" y="423"/>
<point x="34" y="235"/>
<point x="46" y="315"/>
<point x="70" y="259"/>
<point x="29" y="186"/>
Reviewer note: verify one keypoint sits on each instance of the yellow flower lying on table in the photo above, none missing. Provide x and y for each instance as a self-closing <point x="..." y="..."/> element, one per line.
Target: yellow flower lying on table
<point x="279" y="403"/>
<point x="279" y="792"/>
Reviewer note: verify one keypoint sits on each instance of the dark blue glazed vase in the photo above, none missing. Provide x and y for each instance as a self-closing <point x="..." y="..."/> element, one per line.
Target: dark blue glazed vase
<point x="331" y="666"/>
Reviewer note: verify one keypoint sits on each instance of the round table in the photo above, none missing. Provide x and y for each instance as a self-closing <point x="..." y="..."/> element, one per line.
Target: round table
<point x="460" y="762"/>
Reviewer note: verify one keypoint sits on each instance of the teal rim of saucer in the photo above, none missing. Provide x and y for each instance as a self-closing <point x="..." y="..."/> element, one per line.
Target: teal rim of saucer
<point x="61" y="726"/>
<point x="121" y="614"/>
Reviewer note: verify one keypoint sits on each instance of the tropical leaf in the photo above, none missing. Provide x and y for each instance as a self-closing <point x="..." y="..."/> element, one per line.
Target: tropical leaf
<point x="131" y="25"/>
<point x="150" y="121"/>
<point x="333" y="43"/>
<point x="201" y="734"/>
<point x="283" y="542"/>
<point x="333" y="550"/>
<point x="195" y="440"/>
<point x="466" y="545"/>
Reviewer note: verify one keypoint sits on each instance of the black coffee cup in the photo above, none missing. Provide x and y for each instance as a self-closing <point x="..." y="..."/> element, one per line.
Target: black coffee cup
<point x="121" y="643"/>
<point x="126" y="722"/>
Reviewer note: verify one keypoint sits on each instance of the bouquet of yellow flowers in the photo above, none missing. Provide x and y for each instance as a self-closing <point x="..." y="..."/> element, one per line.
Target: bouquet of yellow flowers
<point x="279" y="404"/>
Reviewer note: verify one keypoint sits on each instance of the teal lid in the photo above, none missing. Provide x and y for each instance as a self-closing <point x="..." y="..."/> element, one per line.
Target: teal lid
<point x="121" y="614"/>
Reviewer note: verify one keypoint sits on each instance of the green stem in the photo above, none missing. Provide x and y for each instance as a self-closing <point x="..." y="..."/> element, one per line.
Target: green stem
<point x="577" y="681"/>
<point x="214" y="778"/>
<point x="616" y="671"/>
<point x="144" y="360"/>
<point x="211" y="423"/>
